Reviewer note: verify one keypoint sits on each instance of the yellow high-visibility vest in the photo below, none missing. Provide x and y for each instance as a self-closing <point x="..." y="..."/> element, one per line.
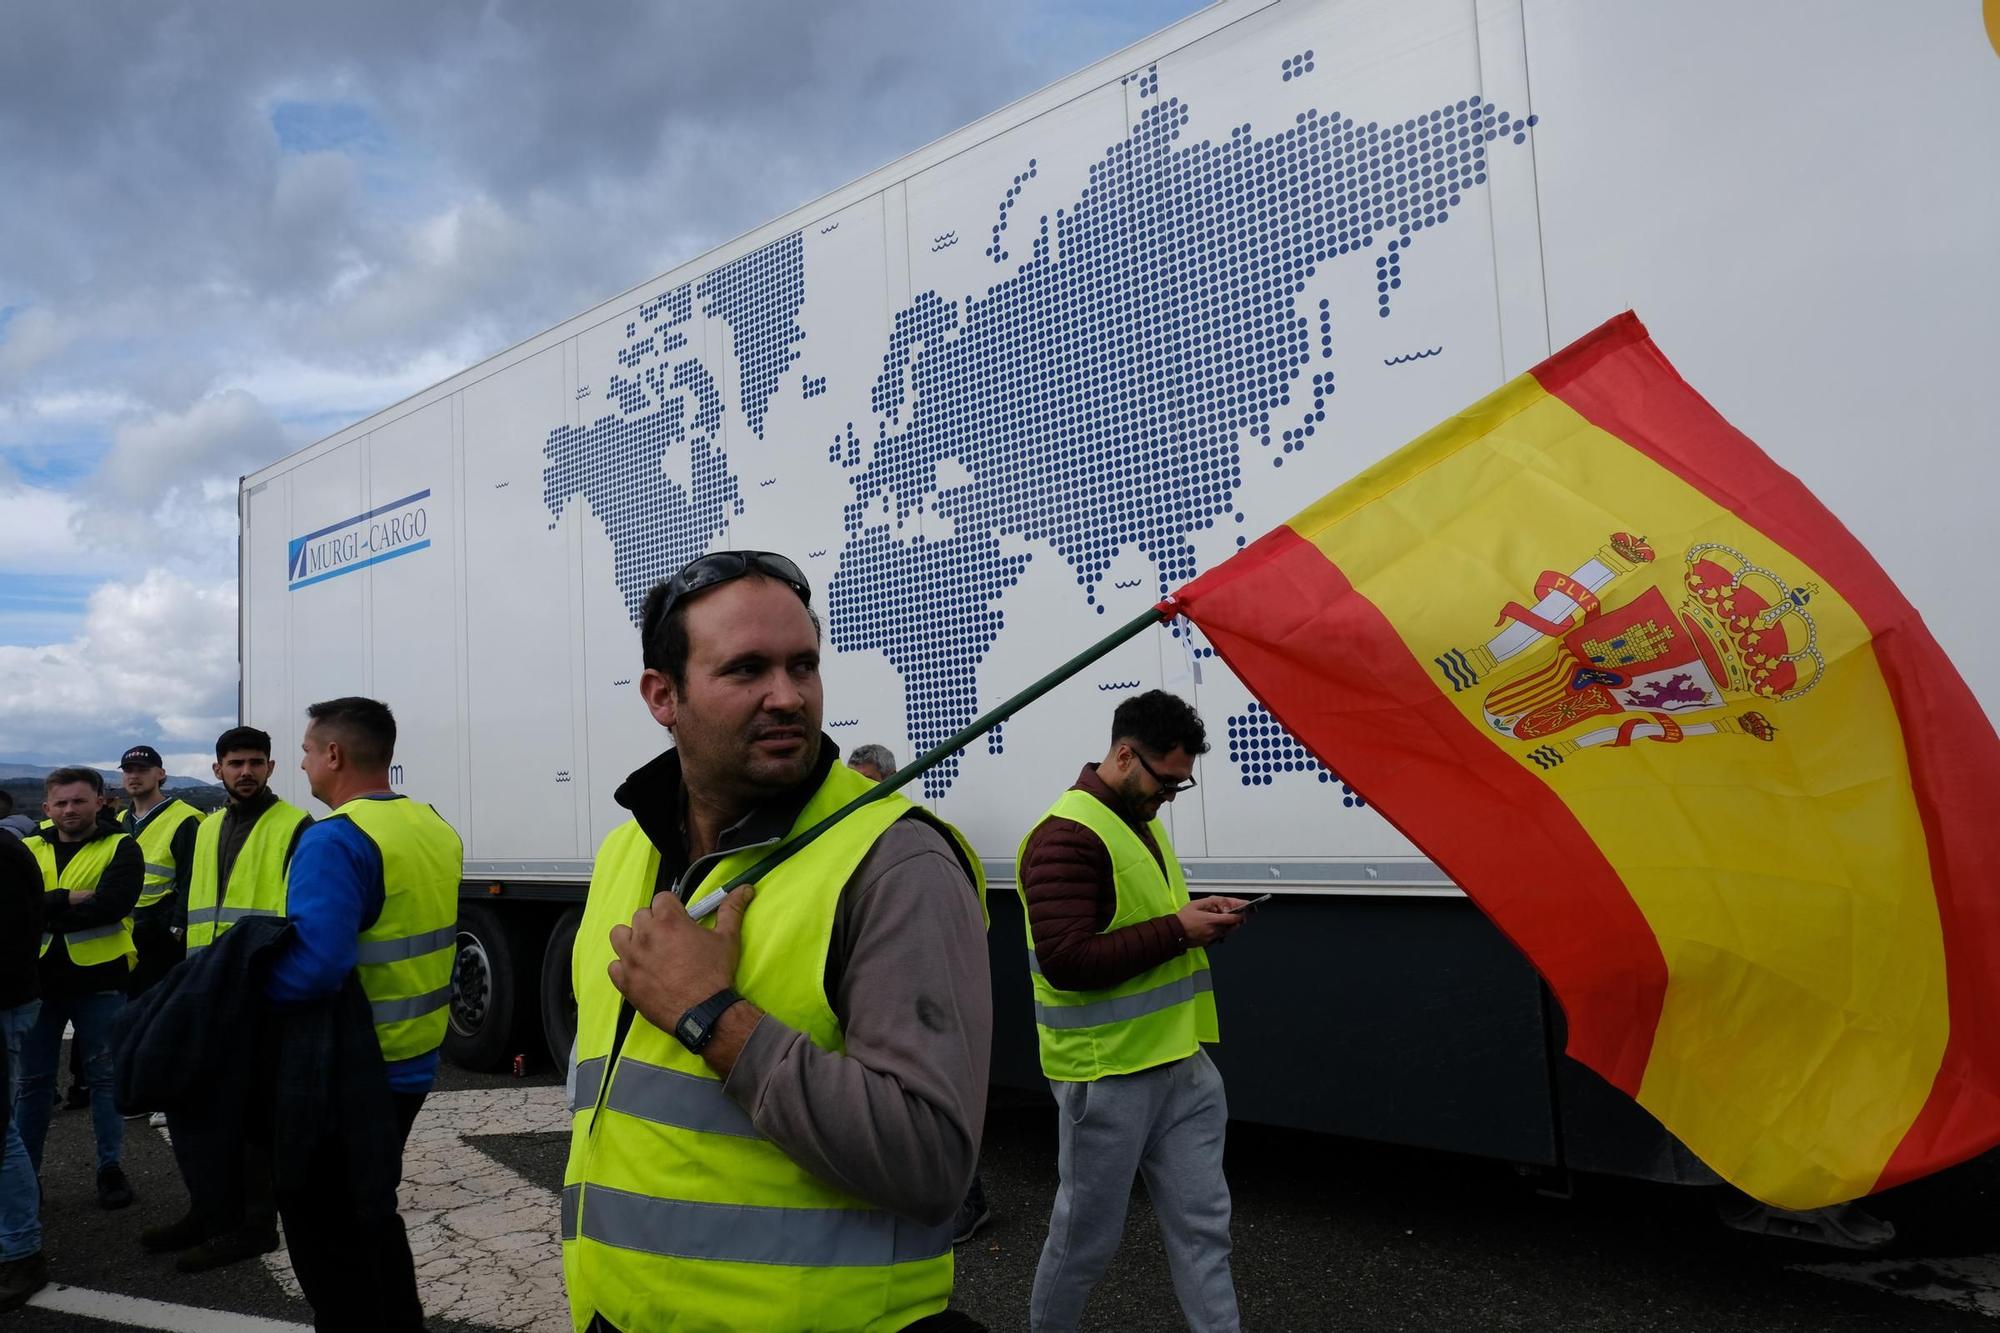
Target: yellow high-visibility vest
<point x="94" y="945"/>
<point x="156" y="844"/>
<point x="1161" y="1015"/>
<point x="405" y="956"/>
<point x="676" y="1212"/>
<point x="256" y="877"/>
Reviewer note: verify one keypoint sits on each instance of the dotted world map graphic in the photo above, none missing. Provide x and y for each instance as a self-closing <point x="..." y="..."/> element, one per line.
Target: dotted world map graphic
<point x="1107" y="393"/>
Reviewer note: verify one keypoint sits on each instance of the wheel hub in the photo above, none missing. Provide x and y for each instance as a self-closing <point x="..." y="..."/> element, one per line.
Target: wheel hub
<point x="471" y="986"/>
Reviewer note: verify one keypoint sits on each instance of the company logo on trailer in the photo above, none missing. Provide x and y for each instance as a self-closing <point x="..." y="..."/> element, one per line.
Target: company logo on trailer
<point x="383" y="533"/>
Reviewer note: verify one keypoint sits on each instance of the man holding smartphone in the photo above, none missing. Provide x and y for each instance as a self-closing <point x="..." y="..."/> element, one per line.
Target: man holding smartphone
<point x="1123" y="1003"/>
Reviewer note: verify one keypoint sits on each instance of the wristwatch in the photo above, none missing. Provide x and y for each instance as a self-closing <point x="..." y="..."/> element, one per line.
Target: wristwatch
<point x="696" y="1028"/>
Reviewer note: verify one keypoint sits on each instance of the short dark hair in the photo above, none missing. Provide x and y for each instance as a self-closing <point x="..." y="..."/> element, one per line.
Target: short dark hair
<point x="6" y="802"/>
<point x="665" y="649"/>
<point x="242" y="738"/>
<point x="365" y="726"/>
<point x="1159" y="723"/>
<point x="63" y="777"/>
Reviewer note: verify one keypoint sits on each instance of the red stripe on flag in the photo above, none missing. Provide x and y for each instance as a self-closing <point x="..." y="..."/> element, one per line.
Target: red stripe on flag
<point x="1334" y="672"/>
<point x="1618" y="381"/>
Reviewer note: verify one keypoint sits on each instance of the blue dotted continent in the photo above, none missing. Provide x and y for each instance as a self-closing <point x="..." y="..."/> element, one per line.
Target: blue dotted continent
<point x="1262" y="751"/>
<point x="662" y="403"/>
<point x="1101" y="396"/>
<point x="759" y="296"/>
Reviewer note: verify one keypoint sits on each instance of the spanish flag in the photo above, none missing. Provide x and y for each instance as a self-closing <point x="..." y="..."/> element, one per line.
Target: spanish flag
<point x="1683" y="740"/>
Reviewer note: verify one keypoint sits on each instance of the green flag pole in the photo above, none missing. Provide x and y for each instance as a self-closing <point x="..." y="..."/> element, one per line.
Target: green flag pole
<point x="978" y="727"/>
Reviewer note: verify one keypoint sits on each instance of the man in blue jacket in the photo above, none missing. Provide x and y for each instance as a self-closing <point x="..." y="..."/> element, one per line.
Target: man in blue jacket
<point x="372" y="890"/>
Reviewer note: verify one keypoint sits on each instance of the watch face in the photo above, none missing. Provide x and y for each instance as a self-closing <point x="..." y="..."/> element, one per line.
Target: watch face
<point x="690" y="1029"/>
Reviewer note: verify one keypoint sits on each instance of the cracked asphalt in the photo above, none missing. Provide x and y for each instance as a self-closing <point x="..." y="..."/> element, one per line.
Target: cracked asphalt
<point x="1330" y="1234"/>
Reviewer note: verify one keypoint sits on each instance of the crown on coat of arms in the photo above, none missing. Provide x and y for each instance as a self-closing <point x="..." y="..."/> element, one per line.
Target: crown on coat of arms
<point x="1752" y="625"/>
<point x="1634" y="550"/>
<point x="1757" y="725"/>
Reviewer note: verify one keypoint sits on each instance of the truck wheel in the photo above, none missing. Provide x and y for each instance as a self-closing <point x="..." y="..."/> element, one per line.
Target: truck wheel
<point x="484" y="992"/>
<point x="558" y="988"/>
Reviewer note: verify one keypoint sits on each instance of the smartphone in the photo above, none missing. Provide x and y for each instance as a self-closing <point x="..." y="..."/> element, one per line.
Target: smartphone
<point x="1252" y="904"/>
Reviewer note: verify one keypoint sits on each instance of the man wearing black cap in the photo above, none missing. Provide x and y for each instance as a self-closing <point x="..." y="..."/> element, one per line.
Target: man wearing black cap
<point x="164" y="827"/>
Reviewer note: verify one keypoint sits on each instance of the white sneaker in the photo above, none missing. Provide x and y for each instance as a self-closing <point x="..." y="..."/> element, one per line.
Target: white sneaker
<point x="157" y="1120"/>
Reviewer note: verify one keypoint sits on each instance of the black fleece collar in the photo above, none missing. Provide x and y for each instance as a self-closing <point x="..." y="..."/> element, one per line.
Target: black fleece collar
<point x="653" y="794"/>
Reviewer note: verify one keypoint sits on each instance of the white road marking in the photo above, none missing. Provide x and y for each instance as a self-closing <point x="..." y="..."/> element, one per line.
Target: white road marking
<point x="1968" y="1283"/>
<point x="484" y="1239"/>
<point x="140" y="1313"/>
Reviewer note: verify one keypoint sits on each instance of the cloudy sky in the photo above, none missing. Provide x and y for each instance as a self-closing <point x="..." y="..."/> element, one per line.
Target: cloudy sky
<point x="232" y="228"/>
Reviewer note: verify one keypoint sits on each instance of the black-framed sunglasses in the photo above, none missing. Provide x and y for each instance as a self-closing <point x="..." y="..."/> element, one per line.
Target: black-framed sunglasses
<point x="1167" y="789"/>
<point x="705" y="572"/>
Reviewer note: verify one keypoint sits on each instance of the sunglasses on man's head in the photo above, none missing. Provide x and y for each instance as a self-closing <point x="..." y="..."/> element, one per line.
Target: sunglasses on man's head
<point x="705" y="572"/>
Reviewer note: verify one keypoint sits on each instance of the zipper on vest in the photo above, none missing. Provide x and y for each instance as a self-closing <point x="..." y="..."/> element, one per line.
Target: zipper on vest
<point x="690" y="878"/>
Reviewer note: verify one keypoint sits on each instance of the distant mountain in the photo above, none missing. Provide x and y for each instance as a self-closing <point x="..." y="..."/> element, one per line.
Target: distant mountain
<point x="112" y="778"/>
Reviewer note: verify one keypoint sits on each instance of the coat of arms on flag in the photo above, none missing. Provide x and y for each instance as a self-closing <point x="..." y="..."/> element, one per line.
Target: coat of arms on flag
<point x="1609" y="663"/>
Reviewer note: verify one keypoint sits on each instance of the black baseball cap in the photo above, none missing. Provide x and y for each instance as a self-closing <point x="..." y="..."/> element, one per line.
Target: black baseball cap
<point x="141" y="756"/>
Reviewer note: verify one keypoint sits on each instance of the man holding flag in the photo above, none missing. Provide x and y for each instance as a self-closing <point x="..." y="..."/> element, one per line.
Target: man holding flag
<point x="809" y="1065"/>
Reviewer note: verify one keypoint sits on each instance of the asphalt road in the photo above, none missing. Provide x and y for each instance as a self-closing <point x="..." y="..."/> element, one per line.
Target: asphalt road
<point x="1329" y="1234"/>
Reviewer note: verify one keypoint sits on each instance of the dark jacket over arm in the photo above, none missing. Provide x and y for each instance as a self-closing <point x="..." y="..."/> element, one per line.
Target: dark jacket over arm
<point x="1066" y="880"/>
<point x="306" y="1076"/>
<point x="20" y="923"/>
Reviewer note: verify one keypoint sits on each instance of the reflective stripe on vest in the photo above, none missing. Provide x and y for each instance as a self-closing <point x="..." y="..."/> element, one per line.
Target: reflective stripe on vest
<point x="409" y="1007"/>
<point x="256" y="877"/>
<point x="1126" y="1007"/>
<point x="665" y="1097"/>
<point x="405" y="955"/>
<point x="93" y="946"/>
<point x="742" y="1234"/>
<point x="414" y="946"/>
<point x="1155" y="1018"/>
<point x="674" y="1206"/>
<point x="229" y="916"/>
<point x="588" y="1080"/>
<point x="156" y="844"/>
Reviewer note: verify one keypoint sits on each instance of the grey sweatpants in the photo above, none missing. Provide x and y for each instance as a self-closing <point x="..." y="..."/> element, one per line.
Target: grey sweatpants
<point x="1167" y="1124"/>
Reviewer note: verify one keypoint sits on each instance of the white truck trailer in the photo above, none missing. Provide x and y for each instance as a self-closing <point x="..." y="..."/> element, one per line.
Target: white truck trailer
<point x="1003" y="393"/>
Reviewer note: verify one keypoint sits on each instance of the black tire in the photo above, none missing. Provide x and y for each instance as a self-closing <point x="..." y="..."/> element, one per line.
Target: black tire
<point x="486" y="992"/>
<point x="558" y="989"/>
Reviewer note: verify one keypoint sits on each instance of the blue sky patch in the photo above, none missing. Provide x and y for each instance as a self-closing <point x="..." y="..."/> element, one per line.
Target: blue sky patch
<point x="320" y="127"/>
<point x="55" y="464"/>
<point x="44" y="608"/>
